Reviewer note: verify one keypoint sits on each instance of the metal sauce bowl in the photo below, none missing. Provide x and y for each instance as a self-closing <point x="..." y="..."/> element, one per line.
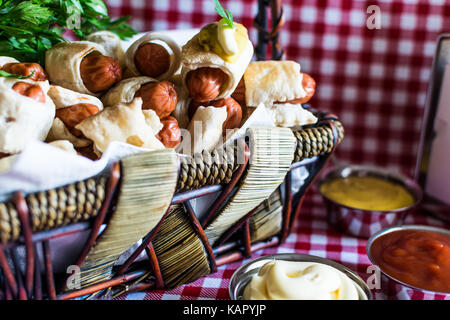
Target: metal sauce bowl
<point x="242" y="276"/>
<point x="396" y="289"/>
<point x="364" y="223"/>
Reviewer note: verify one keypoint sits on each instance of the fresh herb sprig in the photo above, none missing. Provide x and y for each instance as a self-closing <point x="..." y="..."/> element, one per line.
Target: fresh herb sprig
<point x="29" y="28"/>
<point x="226" y="15"/>
<point x="16" y="76"/>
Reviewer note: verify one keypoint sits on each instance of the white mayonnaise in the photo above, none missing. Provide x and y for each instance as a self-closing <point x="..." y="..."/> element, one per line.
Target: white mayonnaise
<point x="227" y="39"/>
<point x="294" y="280"/>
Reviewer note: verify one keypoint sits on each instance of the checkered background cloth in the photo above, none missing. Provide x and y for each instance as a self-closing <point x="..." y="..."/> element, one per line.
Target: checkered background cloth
<point x="374" y="80"/>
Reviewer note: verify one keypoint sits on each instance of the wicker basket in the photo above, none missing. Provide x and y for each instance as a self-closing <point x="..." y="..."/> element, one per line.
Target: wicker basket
<point x="109" y="205"/>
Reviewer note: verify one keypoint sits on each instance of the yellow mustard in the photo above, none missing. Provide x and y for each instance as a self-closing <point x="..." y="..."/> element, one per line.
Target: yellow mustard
<point x="367" y="193"/>
<point x="209" y="41"/>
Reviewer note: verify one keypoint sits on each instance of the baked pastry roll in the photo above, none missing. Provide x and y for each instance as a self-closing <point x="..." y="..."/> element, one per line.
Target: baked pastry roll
<point x="123" y="123"/>
<point x="268" y="82"/>
<point x="71" y="108"/>
<point x="290" y="115"/>
<point x="154" y="55"/>
<point x="26" y="113"/>
<point x="200" y="61"/>
<point x="160" y="96"/>
<point x="205" y="128"/>
<point x="82" y="66"/>
<point x="125" y="90"/>
<point x="64" y="98"/>
<point x="111" y="43"/>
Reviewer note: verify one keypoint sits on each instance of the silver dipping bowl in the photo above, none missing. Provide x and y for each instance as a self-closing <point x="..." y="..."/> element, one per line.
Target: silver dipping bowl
<point x="242" y="276"/>
<point x="393" y="288"/>
<point x="364" y="223"/>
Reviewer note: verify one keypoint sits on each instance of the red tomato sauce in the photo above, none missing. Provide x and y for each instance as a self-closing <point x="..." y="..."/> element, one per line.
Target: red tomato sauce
<point x="417" y="258"/>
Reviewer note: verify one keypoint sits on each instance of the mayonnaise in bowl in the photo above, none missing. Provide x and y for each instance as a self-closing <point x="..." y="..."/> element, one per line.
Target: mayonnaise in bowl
<point x="296" y="280"/>
<point x="293" y="276"/>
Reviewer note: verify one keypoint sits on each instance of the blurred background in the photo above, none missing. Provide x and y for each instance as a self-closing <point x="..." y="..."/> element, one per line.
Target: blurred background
<point x="375" y="80"/>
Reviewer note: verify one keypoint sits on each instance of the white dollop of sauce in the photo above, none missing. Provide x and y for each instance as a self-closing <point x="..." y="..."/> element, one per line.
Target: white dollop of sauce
<point x="227" y="39"/>
<point x="294" y="280"/>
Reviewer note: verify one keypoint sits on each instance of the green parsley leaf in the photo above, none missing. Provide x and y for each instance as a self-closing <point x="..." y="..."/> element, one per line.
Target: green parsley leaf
<point x="97" y="6"/>
<point x="226" y="15"/>
<point x="29" y="28"/>
<point x="16" y="76"/>
<point x="27" y="11"/>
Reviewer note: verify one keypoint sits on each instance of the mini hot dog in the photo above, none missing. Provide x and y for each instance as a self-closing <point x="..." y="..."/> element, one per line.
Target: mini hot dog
<point x="170" y="134"/>
<point x="99" y="73"/>
<point x="209" y="72"/>
<point x="271" y="82"/>
<point x="83" y="67"/>
<point x="32" y="70"/>
<point x="73" y="115"/>
<point x="158" y="96"/>
<point x="30" y="90"/>
<point x="153" y="55"/>
<point x="71" y="109"/>
<point x="282" y="88"/>
<point x="308" y="83"/>
<point x="205" y="84"/>
<point x="152" y="60"/>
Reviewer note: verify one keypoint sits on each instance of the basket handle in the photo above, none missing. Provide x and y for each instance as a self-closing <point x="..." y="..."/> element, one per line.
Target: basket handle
<point x="264" y="35"/>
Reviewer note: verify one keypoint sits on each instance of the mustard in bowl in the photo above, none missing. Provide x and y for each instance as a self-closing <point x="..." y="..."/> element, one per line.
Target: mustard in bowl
<point x="361" y="200"/>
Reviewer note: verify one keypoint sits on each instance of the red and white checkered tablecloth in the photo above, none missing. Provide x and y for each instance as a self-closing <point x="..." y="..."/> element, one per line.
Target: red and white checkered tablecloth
<point x="375" y="80"/>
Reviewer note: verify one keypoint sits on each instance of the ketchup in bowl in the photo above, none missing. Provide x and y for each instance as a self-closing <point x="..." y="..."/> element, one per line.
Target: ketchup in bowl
<point x="417" y="258"/>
